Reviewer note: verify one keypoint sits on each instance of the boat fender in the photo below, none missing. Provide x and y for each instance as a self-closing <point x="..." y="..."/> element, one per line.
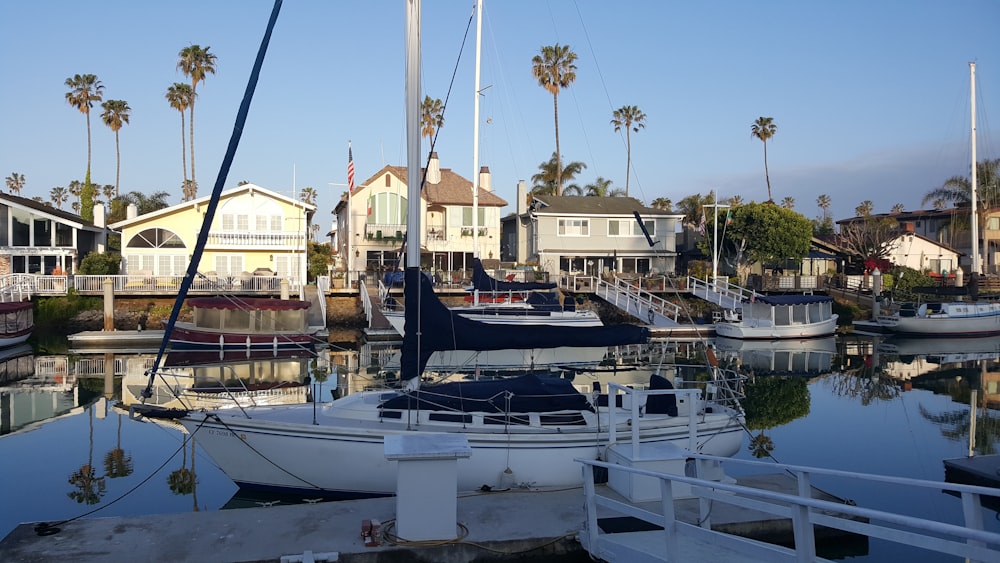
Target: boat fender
<point x="506" y="479"/>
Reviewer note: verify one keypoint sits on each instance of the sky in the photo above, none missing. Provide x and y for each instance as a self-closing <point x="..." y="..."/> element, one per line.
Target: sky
<point x="870" y="99"/>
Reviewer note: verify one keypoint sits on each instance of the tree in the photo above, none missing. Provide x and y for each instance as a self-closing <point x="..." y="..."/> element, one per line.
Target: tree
<point x="116" y="113"/>
<point x="85" y="91"/>
<point x="555" y="70"/>
<point x="601" y="187"/>
<point x="897" y="209"/>
<point x="958" y="189"/>
<point x="546" y="182"/>
<point x="117" y="462"/>
<point x="662" y="203"/>
<point x="196" y="63"/>
<point x="431" y="116"/>
<point x="631" y="119"/>
<point x="109" y="191"/>
<point x="761" y="233"/>
<point x="15" y="183"/>
<point x="764" y="129"/>
<point x="95" y="264"/>
<point x="180" y="97"/>
<point x="59" y="196"/>
<point x="692" y="207"/>
<point x="143" y="203"/>
<point x="865" y="208"/>
<point x="735" y="200"/>
<point x="823" y="201"/>
<point x="871" y="238"/>
<point x="308" y="195"/>
<point x="788" y="202"/>
<point x="319" y="259"/>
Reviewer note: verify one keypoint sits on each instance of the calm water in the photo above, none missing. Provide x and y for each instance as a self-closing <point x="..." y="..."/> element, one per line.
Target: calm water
<point x="872" y="407"/>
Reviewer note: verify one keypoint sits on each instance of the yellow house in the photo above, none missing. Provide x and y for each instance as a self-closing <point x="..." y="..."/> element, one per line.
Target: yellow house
<point x="254" y="229"/>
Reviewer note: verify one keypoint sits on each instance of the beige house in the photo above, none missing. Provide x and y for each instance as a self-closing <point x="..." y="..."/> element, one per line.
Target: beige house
<point x="371" y="222"/>
<point x="253" y="229"/>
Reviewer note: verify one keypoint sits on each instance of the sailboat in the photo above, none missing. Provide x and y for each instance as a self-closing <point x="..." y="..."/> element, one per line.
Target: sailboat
<point x="521" y="431"/>
<point x="956" y="318"/>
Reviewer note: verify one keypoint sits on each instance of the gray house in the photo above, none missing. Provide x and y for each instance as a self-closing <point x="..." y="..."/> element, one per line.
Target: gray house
<point x="589" y="235"/>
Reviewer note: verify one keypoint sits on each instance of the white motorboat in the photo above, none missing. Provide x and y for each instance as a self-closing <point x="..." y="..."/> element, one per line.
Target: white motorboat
<point x="771" y="317"/>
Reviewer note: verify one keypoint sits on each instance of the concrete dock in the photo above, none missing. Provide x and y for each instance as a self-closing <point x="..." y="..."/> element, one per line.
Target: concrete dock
<point x="522" y="525"/>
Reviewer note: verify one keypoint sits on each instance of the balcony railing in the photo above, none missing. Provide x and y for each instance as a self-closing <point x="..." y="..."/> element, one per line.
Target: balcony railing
<point x="144" y="284"/>
<point x="269" y="240"/>
<point x="384" y="232"/>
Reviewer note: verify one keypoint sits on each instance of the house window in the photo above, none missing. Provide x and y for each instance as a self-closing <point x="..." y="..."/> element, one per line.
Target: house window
<point x="635" y="265"/>
<point x="64" y="235"/>
<point x="261" y="224"/>
<point x="387" y="209"/>
<point x="155" y="238"/>
<point x="467" y="217"/>
<point x="276" y="223"/>
<point x="993" y="224"/>
<point x="629" y="228"/>
<point x="229" y="264"/>
<point x="574" y="227"/>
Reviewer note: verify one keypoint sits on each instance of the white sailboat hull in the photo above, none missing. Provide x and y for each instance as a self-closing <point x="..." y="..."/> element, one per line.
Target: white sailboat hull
<point x="279" y="449"/>
<point x="953" y="319"/>
<point x="518" y="316"/>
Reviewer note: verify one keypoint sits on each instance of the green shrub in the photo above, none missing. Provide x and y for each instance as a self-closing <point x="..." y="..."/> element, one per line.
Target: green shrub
<point x="95" y="264"/>
<point x="53" y="313"/>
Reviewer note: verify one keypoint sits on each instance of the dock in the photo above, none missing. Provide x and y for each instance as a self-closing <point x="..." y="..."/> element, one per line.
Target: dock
<point x="116" y="339"/>
<point x="521" y="525"/>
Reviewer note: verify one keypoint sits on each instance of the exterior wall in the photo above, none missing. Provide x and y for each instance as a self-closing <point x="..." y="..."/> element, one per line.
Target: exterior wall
<point x="921" y="254"/>
<point x="34" y="242"/>
<point x="251" y="230"/>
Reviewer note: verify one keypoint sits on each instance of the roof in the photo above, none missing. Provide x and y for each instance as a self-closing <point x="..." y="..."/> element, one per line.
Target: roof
<point x="590" y="205"/>
<point x="309" y="208"/>
<point x="453" y="189"/>
<point x="45" y="209"/>
<point x="907" y="216"/>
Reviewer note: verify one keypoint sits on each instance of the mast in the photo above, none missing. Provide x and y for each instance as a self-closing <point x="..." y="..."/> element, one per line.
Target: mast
<point x="975" y="194"/>
<point x="413" y="134"/>
<point x="475" y="135"/>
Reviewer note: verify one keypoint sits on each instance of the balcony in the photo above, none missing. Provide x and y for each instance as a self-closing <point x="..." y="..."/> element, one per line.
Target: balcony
<point x="385" y="233"/>
<point x="257" y="240"/>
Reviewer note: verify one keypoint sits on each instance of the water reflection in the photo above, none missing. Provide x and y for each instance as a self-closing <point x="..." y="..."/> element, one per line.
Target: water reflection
<point x="89" y="487"/>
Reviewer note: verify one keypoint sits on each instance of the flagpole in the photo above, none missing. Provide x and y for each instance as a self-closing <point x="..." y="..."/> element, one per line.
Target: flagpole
<point x="350" y="211"/>
<point x="715" y="238"/>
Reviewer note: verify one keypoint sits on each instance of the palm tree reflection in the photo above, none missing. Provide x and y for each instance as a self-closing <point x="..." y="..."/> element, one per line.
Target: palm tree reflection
<point x="118" y="463"/>
<point x="182" y="481"/>
<point x="89" y="487"/>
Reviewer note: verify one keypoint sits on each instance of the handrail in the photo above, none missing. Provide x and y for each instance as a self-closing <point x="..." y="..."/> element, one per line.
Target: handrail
<point x="971" y="541"/>
<point x="366" y="300"/>
<point x="637" y="296"/>
<point x="720" y="291"/>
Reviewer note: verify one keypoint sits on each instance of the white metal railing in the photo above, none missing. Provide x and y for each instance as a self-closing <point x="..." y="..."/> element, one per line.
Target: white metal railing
<point x="366" y="300"/>
<point x="635" y="300"/>
<point x="148" y="283"/>
<point x="16" y="287"/>
<point x="721" y="293"/>
<point x="252" y="239"/>
<point x="970" y="540"/>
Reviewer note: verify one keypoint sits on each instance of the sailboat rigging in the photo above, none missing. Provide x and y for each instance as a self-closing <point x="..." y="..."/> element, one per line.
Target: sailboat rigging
<point x="531" y="427"/>
<point x="957" y="318"/>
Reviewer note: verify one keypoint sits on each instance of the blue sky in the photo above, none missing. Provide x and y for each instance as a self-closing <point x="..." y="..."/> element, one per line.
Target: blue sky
<point x="871" y="99"/>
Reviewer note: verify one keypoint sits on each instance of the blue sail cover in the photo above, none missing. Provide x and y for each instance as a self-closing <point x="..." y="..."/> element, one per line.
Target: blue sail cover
<point x="793" y="299"/>
<point x="484" y="282"/>
<point x="430" y="326"/>
<point x="528" y="393"/>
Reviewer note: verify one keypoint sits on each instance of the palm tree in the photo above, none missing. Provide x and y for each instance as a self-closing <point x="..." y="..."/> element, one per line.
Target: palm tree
<point x="788" y="202"/>
<point x="15" y="182"/>
<point x="763" y="129"/>
<point x="180" y="97"/>
<point x="118" y="463"/>
<point x="432" y="116"/>
<point x="109" y="192"/>
<point x="546" y="182"/>
<point x="662" y="203"/>
<point x="85" y="91"/>
<point x="88" y="487"/>
<point x="308" y="195"/>
<point x="958" y="189"/>
<point x="865" y="208"/>
<point x="196" y="63"/>
<point x="601" y="187"/>
<point x="629" y="118"/>
<point x="897" y="209"/>
<point x="59" y="196"/>
<point x="735" y="200"/>
<point x="76" y="190"/>
<point x="823" y="201"/>
<point x="116" y="113"/>
<point x="555" y="71"/>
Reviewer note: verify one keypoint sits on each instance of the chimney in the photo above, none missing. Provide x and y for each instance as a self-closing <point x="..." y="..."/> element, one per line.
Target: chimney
<point x="484" y="179"/>
<point x="99" y="216"/>
<point x="131" y="212"/>
<point x="522" y="197"/>
<point x="434" y="170"/>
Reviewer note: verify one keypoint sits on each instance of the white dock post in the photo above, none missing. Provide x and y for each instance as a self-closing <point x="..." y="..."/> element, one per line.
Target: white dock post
<point x="427" y="483"/>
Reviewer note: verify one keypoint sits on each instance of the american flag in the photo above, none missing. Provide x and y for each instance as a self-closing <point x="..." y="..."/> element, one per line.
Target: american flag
<point x="350" y="170"/>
